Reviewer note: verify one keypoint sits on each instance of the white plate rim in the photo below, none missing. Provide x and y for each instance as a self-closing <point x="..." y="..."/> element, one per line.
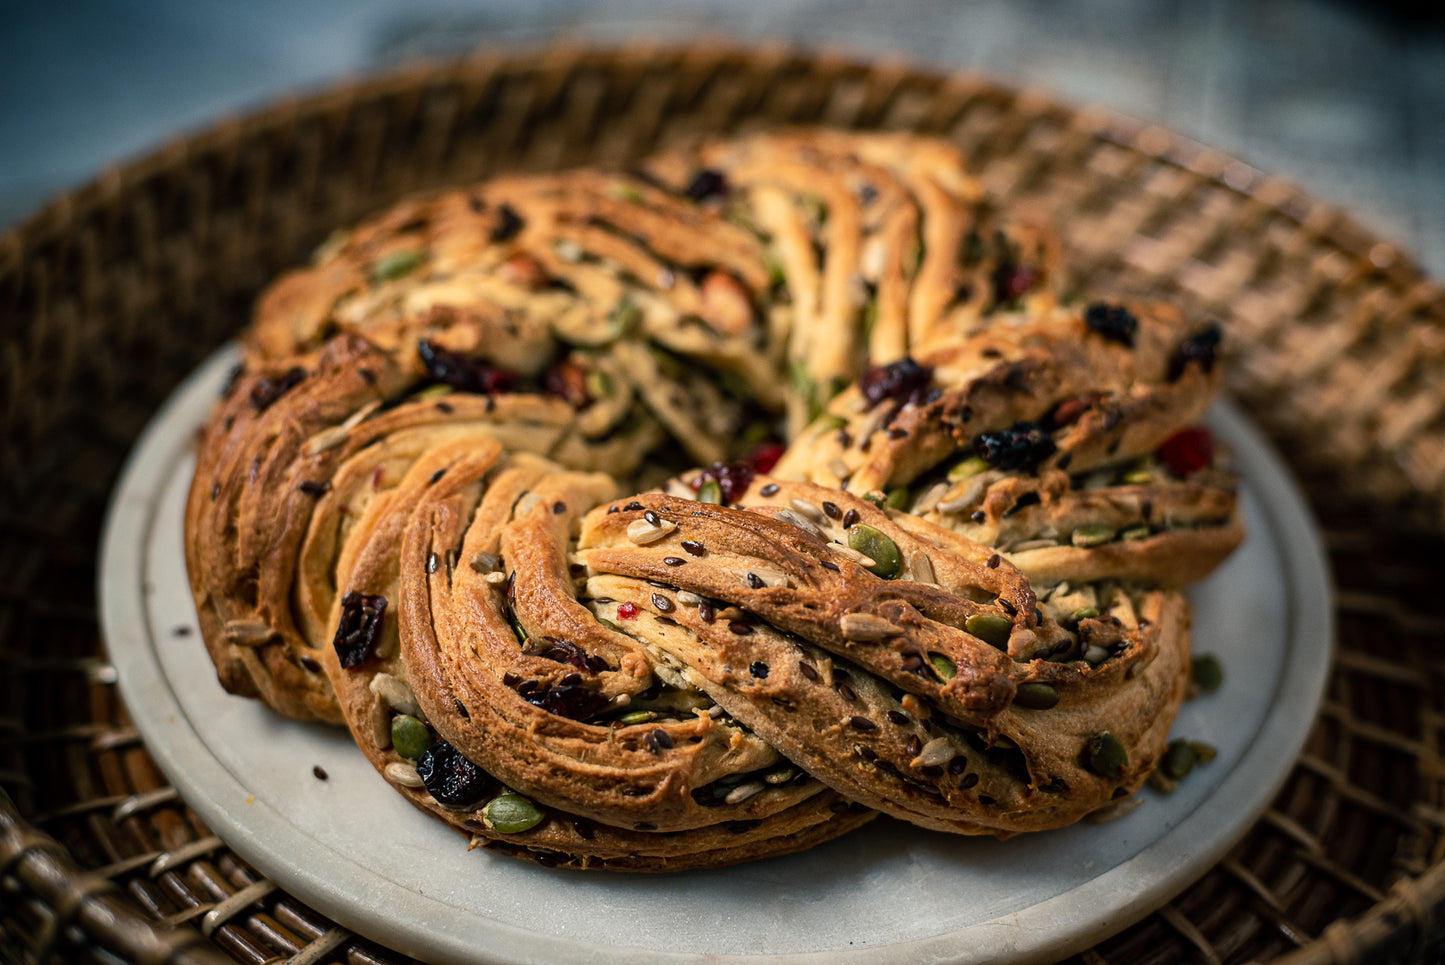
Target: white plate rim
<point x="1045" y="931"/>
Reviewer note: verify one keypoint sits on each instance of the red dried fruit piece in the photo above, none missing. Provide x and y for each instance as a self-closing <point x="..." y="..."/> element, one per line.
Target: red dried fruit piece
<point x="627" y="611"/>
<point x="765" y="457"/>
<point x="732" y="478"/>
<point x="1187" y="451"/>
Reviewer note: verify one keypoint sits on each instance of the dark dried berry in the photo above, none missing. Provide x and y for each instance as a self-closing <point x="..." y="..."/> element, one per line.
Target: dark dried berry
<point x="574" y="701"/>
<point x="732" y="478"/>
<point x="450" y="778"/>
<point x="562" y="651"/>
<point x="1198" y="348"/>
<point x="360" y="629"/>
<point x="707" y="183"/>
<point x="765" y="457"/>
<point x="1114" y="322"/>
<point x="904" y="380"/>
<point x="268" y="390"/>
<point x="1187" y="451"/>
<point x="460" y="372"/>
<point x="1022" y="445"/>
<point x="509" y="223"/>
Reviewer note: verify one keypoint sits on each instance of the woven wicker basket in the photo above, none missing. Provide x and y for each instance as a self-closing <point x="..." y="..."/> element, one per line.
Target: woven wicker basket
<point x="113" y="293"/>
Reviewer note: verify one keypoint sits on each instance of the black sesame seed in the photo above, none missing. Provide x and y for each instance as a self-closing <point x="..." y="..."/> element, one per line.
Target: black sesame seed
<point x="1064" y="461"/>
<point x="862" y="723"/>
<point x="896" y="717"/>
<point x="896" y="433"/>
<point x="658" y="741"/>
<point x="583" y="827"/>
<point x="831" y="509"/>
<point x="705" y="612"/>
<point x="558" y="508"/>
<point x="508" y="225"/>
<point x="807" y="671"/>
<point x="850" y="517"/>
<point x="740" y="628"/>
<point x="755" y="581"/>
<point x="633" y="506"/>
<point x="958" y="765"/>
<point x="461" y="708"/>
<point x="645" y="826"/>
<point x="846" y="693"/>
<point x="830" y="565"/>
<point x="652" y="518"/>
<point x="673" y="560"/>
<point x="867" y="753"/>
<point x="932" y="771"/>
<point x="320" y="772"/>
<point x="758" y="669"/>
<point x="768" y="490"/>
<point x="993" y="561"/>
<point x="612" y="509"/>
<point x="978" y="516"/>
<point x="436" y="476"/>
<point x="663" y="603"/>
<point x="984" y="799"/>
<point x="215" y="491"/>
<point x="445" y="408"/>
<point x="968" y="782"/>
<point x="693" y="548"/>
<point x="914" y="747"/>
<point x="510" y="679"/>
<point x="312" y="488"/>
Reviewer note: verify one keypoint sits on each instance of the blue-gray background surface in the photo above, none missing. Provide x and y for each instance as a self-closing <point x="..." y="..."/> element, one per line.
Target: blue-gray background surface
<point x="1346" y="99"/>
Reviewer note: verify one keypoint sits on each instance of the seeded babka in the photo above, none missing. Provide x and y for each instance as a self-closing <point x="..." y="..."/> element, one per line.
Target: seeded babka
<point x="931" y="566"/>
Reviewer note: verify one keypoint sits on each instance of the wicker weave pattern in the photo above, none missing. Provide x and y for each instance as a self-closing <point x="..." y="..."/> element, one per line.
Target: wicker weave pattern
<point x="112" y="294"/>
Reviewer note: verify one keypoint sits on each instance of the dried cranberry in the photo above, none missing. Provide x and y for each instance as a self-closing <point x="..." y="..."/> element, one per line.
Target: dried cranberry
<point x="627" y="611"/>
<point x="1200" y="348"/>
<point x="1187" y="451"/>
<point x="905" y="380"/>
<point x="732" y="478"/>
<point x="562" y="651"/>
<point x="1114" y="322"/>
<point x="360" y="629"/>
<point x="574" y="701"/>
<point x="460" y="372"/>
<point x="568" y="381"/>
<point x="450" y="778"/>
<point x="1011" y="281"/>
<point x="707" y="183"/>
<point x="268" y="390"/>
<point x="766" y="456"/>
<point x="1022" y="445"/>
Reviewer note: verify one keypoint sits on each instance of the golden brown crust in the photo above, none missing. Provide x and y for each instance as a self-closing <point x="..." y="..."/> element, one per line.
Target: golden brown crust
<point x="955" y="600"/>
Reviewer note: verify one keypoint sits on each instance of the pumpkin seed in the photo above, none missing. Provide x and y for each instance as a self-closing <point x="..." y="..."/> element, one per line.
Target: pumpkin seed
<point x="637" y="717"/>
<point x="1087" y="537"/>
<point x="624" y="318"/>
<point x="511" y="814"/>
<point x="1036" y="696"/>
<point x="1208" y="673"/>
<point x="943" y="666"/>
<point x="1179" y="759"/>
<point x="1105" y="755"/>
<point x="1203" y="753"/>
<point x="877" y="547"/>
<point x="1082" y="613"/>
<point x="1135" y="533"/>
<point x="992" y="628"/>
<point x="409" y="736"/>
<point x="710" y="492"/>
<point x="397" y="264"/>
<point x="967" y="469"/>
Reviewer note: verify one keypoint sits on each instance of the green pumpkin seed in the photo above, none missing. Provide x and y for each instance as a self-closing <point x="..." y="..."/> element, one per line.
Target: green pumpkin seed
<point x="877" y="498"/>
<point x="1179" y="759"/>
<point x="1203" y="753"/>
<point x="878" y="548"/>
<point x="968" y="468"/>
<point x="409" y="736"/>
<point x="511" y="814"/>
<point x="1036" y="696"/>
<point x="992" y="628"/>
<point x="626" y="192"/>
<point x="637" y="717"/>
<point x="1135" y="533"/>
<point x="1137" y="477"/>
<point x="1082" y="613"/>
<point x="599" y="384"/>
<point x="431" y="392"/>
<point x="710" y="492"/>
<point x="397" y="264"/>
<point x="1105" y="756"/>
<point x="943" y="666"/>
<point x="1208" y="673"/>
<point x="781" y="775"/>
<point x="777" y="276"/>
<point x="898" y="498"/>
<point x="1086" y="537"/>
<point x="624" y="318"/>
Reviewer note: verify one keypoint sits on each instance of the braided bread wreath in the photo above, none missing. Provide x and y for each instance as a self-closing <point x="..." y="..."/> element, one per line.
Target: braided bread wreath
<point x="953" y="598"/>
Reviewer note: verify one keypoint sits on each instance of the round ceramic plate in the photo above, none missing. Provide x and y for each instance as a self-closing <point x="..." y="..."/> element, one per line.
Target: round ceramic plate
<point x="352" y="848"/>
